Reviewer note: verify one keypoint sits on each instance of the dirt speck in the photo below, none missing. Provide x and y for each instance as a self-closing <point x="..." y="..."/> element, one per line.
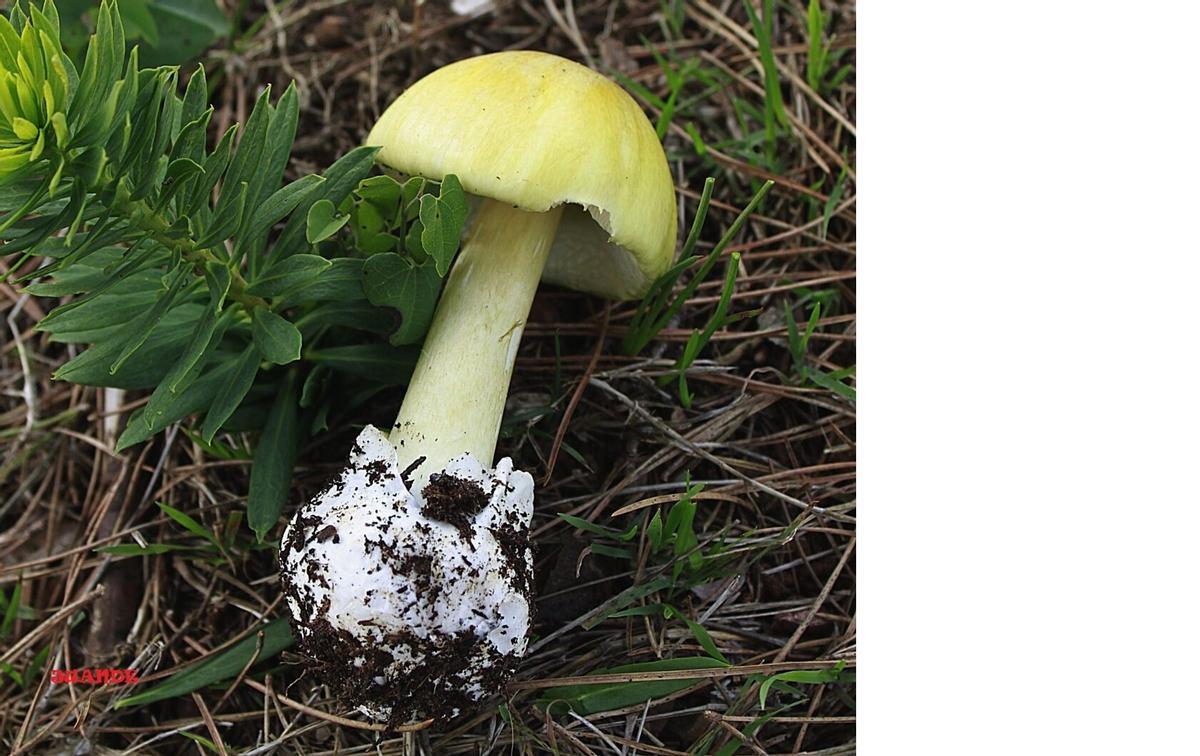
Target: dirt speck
<point x="454" y="500"/>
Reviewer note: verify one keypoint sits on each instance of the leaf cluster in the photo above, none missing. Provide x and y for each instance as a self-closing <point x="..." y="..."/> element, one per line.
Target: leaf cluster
<point x="166" y="31"/>
<point x="191" y="269"/>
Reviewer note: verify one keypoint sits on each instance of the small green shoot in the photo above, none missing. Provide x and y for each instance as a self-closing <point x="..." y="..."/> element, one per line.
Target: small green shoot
<point x="835" y="196"/>
<point x="587" y="699"/>
<point x="671" y="540"/>
<point x="14" y="610"/>
<point x="189" y="523"/>
<point x="699" y="339"/>
<point x="32" y="672"/>
<point x="798" y="344"/>
<point x="774" y="112"/>
<point x="804" y="676"/>
<point x="821" y="55"/>
<point x="600" y="530"/>
<point x="679" y="532"/>
<point x="208" y="745"/>
<point x="668" y="613"/>
<point x="673" y="14"/>
<point x="218" y="546"/>
<point x="658" y="307"/>
<point x="277" y="636"/>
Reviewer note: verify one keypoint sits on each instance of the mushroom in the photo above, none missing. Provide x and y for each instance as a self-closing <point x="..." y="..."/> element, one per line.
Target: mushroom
<point x="409" y="579"/>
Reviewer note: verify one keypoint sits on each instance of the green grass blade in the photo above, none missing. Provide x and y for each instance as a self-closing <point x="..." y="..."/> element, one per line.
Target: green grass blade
<point x="277" y="636"/>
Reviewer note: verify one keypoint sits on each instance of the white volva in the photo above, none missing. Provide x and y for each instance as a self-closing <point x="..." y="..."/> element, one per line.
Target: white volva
<point x="350" y="567"/>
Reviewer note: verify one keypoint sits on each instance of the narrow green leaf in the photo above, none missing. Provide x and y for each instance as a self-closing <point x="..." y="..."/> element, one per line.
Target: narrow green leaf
<point x="141" y="327"/>
<point x="195" y="97"/>
<point x="277" y="149"/>
<point x="702" y="636"/>
<point x="358" y="315"/>
<point x="281" y="202"/>
<point x="816" y="63"/>
<point x="271" y="473"/>
<point x="150" y="366"/>
<point x="314" y="385"/>
<point x="218" y="278"/>
<point x="86" y="276"/>
<point x="244" y="166"/>
<point x="627" y="597"/>
<point x="240" y="382"/>
<point x="654" y="531"/>
<point x="185" y="370"/>
<point x="805" y="676"/>
<point x="831" y="203"/>
<point x="276" y="636"/>
<point x="228" y="216"/>
<point x="188" y="522"/>
<point x="207" y="744"/>
<point x="199" y="395"/>
<point x="342" y="281"/>
<point x="379" y="363"/>
<point x="14" y="603"/>
<point x="288" y="274"/>
<point x="133" y="549"/>
<point x="600" y="530"/>
<point x="616" y="552"/>
<point x="587" y="699"/>
<point x="214" y="167"/>
<point x="826" y="381"/>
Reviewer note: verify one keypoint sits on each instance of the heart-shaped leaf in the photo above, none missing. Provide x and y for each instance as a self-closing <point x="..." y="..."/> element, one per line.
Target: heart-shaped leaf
<point x="390" y="280"/>
<point x="323" y="221"/>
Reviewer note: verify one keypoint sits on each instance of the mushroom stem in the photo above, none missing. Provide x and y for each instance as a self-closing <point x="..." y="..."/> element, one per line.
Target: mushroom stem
<point x="455" y="400"/>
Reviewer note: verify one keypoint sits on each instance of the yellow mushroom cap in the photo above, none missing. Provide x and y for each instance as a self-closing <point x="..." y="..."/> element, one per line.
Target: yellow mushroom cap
<point x="535" y="130"/>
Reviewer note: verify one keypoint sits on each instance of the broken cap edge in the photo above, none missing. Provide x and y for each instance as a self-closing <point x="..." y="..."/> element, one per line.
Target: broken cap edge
<point x="535" y="130"/>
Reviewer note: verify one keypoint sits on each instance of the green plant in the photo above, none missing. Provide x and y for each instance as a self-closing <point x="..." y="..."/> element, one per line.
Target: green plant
<point x="658" y="307"/>
<point x="671" y="542"/>
<point x="805" y="677"/>
<point x="592" y="698"/>
<point x="798" y="345"/>
<point x="271" y="638"/>
<point x="822" y="58"/>
<point x="13" y="610"/>
<point x="215" y="546"/>
<point x="194" y="272"/>
<point x="774" y="113"/>
<point x="167" y="31"/>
